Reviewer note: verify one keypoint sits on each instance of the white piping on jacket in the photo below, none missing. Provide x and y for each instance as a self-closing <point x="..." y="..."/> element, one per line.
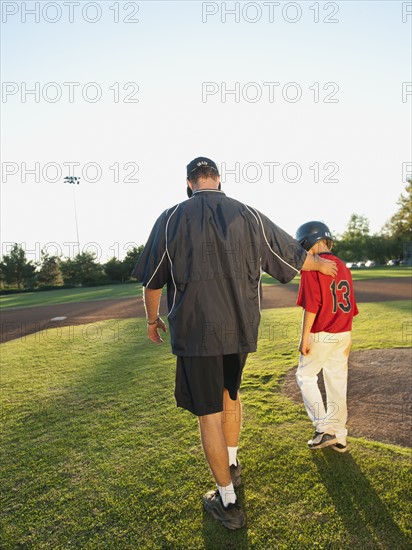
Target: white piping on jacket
<point x="154" y="273"/>
<point x="267" y="242"/>
<point x="170" y="260"/>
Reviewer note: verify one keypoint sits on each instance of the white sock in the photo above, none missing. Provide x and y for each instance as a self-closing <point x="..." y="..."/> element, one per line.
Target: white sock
<point x="227" y="494"/>
<point x="232" y="455"/>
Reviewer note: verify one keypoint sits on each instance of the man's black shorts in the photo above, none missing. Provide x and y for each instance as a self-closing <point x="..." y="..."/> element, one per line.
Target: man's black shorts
<point x="200" y="381"/>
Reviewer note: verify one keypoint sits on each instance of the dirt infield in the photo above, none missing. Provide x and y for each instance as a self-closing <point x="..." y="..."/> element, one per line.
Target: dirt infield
<point x="379" y="395"/>
<point x="18" y="322"/>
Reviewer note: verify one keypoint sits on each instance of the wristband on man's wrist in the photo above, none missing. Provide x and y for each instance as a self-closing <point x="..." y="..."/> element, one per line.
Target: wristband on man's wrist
<point x="153" y="322"/>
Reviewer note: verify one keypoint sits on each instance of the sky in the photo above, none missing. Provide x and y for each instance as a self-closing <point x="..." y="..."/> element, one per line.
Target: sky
<point x="305" y="107"/>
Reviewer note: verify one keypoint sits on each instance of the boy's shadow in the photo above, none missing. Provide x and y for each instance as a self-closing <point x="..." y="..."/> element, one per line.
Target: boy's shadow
<point x="366" y="518"/>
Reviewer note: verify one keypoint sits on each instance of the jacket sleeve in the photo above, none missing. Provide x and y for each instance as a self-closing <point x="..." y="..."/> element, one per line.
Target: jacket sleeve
<point x="151" y="268"/>
<point x="281" y="255"/>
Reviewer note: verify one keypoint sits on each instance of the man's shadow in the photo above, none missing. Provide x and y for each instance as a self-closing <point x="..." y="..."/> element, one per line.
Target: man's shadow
<point x="367" y="520"/>
<point x="216" y="536"/>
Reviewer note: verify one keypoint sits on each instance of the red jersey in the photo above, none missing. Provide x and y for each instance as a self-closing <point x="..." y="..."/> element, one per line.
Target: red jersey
<point x="332" y="299"/>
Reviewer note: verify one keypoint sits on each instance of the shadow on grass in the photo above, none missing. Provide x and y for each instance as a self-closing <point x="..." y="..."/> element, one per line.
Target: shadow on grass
<point x="368" y="522"/>
<point x="216" y="536"/>
<point x="83" y="452"/>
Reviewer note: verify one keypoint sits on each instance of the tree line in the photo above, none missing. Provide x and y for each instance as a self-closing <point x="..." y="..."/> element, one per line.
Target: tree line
<point x="394" y="241"/>
<point x="355" y="244"/>
<point x="16" y="272"/>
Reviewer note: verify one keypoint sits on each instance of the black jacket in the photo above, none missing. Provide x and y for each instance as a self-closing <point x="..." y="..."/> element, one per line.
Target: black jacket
<point x="210" y="250"/>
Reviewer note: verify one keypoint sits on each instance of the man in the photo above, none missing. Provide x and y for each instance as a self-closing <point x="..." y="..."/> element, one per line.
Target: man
<point x="210" y="251"/>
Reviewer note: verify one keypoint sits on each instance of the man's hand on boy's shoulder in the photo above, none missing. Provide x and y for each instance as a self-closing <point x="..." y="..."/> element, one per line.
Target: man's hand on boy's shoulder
<point x="327" y="267"/>
<point x="317" y="263"/>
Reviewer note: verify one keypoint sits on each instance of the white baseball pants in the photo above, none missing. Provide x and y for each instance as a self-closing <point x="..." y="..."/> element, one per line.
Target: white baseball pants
<point x="329" y="352"/>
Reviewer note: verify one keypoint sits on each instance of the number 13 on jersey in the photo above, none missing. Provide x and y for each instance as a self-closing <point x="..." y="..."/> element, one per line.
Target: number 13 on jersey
<point x="341" y="300"/>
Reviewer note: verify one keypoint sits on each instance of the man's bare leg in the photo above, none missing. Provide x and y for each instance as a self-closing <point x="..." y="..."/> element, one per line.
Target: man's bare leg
<point x="215" y="447"/>
<point x="231" y="419"/>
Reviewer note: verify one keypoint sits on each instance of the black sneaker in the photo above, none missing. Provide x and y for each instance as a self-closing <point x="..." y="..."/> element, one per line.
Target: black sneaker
<point x="235" y="474"/>
<point x="321" y="440"/>
<point x="231" y="517"/>
<point x="339" y="447"/>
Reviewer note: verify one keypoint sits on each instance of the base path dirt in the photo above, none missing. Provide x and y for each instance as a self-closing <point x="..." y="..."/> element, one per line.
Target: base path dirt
<point x="379" y="395"/>
<point x="375" y="290"/>
<point x="18" y="322"/>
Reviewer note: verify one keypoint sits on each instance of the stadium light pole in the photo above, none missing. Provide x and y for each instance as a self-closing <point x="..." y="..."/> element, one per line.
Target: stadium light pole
<point x="74" y="180"/>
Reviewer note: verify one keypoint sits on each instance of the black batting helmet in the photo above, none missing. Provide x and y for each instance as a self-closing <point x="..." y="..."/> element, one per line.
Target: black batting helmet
<point x="310" y="233"/>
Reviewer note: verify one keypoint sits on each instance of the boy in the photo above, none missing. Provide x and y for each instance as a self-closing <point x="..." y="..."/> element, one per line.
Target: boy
<point x="329" y="307"/>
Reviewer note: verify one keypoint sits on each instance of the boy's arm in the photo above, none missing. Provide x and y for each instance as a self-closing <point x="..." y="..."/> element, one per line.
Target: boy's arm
<point x="307" y="323"/>
<point x="151" y="299"/>
<point x="317" y="263"/>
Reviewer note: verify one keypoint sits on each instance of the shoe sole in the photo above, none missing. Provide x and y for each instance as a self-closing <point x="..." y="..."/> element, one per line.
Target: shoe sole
<point x="339" y="450"/>
<point x="323" y="445"/>
<point x="226" y="524"/>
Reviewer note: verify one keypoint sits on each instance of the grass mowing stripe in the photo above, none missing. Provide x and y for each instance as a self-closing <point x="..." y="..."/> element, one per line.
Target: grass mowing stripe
<point x="95" y="453"/>
<point x="69" y="295"/>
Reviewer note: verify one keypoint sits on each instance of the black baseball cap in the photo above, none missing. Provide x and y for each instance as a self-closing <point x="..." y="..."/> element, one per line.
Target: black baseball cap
<point x="200" y="162"/>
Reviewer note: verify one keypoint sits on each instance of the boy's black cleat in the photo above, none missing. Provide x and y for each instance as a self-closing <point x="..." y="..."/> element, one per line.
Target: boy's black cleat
<point x="231" y="517"/>
<point x="321" y="440"/>
<point x="235" y="474"/>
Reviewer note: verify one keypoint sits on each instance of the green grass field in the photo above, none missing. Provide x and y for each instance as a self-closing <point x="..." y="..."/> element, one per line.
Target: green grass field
<point x="96" y="455"/>
<point x="68" y="295"/>
<point x="32" y="299"/>
<point x="361" y="274"/>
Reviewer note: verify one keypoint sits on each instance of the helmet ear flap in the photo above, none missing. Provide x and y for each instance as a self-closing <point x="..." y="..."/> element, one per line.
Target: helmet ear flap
<point x="306" y="245"/>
